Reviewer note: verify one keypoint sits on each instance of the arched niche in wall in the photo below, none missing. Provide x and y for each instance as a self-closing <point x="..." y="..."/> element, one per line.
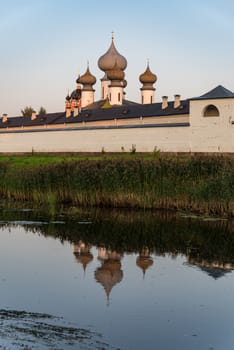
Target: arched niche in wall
<point x="211" y="111"/>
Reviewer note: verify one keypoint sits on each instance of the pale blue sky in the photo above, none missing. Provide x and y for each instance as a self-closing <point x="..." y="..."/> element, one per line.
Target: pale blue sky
<point x="190" y="45"/>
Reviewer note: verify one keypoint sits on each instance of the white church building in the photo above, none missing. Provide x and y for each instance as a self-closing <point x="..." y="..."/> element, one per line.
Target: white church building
<point x="113" y="124"/>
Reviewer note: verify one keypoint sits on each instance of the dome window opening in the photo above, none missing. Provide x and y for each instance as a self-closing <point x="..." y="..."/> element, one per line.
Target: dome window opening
<point x="211" y="111"/>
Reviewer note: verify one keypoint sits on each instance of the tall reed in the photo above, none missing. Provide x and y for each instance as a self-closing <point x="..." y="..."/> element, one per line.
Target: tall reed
<point x="201" y="184"/>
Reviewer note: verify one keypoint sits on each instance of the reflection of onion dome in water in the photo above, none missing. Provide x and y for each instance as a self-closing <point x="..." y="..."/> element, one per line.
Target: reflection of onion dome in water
<point x="112" y="56"/>
<point x="144" y="260"/>
<point x="84" y="258"/>
<point x="108" y="275"/>
<point x="82" y="254"/>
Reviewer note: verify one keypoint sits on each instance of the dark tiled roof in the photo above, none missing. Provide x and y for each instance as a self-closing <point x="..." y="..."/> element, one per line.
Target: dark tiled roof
<point x="218" y="92"/>
<point x="134" y="111"/>
<point x="125" y="111"/>
<point x="100" y="103"/>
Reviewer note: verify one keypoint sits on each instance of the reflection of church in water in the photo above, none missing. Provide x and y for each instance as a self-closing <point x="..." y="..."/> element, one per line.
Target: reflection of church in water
<point x="110" y="272"/>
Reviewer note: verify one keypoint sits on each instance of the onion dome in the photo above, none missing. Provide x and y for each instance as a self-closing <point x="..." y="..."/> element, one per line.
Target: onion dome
<point x="115" y="73"/>
<point x="76" y="94"/>
<point x="107" y="61"/>
<point x="148" y="77"/>
<point x="68" y="97"/>
<point x="87" y="78"/>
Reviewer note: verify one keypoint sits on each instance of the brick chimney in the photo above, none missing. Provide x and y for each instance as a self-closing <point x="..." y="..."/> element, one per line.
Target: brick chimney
<point x="164" y="102"/>
<point x="176" y="101"/>
<point x="4" y="118"/>
<point x="34" y="115"/>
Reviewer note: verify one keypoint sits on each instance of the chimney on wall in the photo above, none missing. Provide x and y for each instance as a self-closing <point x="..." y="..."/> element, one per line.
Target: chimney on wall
<point x="68" y="112"/>
<point x="164" y="102"/>
<point x="176" y="101"/>
<point x="4" y="118"/>
<point x="34" y="115"/>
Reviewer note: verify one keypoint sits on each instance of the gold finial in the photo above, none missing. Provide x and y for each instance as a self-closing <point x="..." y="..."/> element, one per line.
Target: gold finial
<point x="112" y="35"/>
<point x="87" y="63"/>
<point x="148" y="62"/>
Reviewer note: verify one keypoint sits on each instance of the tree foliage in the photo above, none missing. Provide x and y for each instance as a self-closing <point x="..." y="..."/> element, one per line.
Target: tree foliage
<point x="42" y="111"/>
<point x="27" y="111"/>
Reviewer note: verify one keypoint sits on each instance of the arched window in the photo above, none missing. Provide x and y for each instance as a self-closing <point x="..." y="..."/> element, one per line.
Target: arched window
<point x="211" y="111"/>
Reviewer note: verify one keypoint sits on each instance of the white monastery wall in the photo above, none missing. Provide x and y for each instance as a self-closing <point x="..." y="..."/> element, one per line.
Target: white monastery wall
<point x="166" y="139"/>
<point x="212" y="133"/>
<point x="205" y="133"/>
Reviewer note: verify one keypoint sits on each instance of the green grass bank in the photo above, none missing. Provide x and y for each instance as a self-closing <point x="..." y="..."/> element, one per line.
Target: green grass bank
<point x="203" y="184"/>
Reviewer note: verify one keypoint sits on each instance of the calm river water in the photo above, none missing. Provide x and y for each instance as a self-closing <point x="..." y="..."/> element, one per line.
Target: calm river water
<point x="115" y="280"/>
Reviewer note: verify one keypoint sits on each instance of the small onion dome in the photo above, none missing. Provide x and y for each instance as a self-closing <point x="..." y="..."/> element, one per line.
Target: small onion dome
<point x="84" y="258"/>
<point x="107" y="61"/>
<point x="116" y="73"/>
<point x="148" y="77"/>
<point x="76" y="94"/>
<point x="87" y="78"/>
<point x="144" y="263"/>
<point x="68" y="97"/>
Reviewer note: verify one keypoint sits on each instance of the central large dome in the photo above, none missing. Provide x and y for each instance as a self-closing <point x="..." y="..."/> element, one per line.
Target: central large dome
<point x="110" y="58"/>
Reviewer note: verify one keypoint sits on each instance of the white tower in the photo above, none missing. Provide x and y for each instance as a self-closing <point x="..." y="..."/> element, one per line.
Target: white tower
<point x="87" y="80"/>
<point x="147" y="90"/>
<point x="116" y="77"/>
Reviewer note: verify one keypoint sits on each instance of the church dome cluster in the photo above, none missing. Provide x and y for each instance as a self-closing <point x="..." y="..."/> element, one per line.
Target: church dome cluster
<point x="113" y="83"/>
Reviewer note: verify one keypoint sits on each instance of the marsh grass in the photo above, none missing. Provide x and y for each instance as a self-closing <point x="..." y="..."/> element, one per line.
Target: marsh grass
<point x="201" y="184"/>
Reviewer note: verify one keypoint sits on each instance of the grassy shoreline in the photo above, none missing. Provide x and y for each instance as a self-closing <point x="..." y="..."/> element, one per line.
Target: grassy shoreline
<point x="201" y="184"/>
